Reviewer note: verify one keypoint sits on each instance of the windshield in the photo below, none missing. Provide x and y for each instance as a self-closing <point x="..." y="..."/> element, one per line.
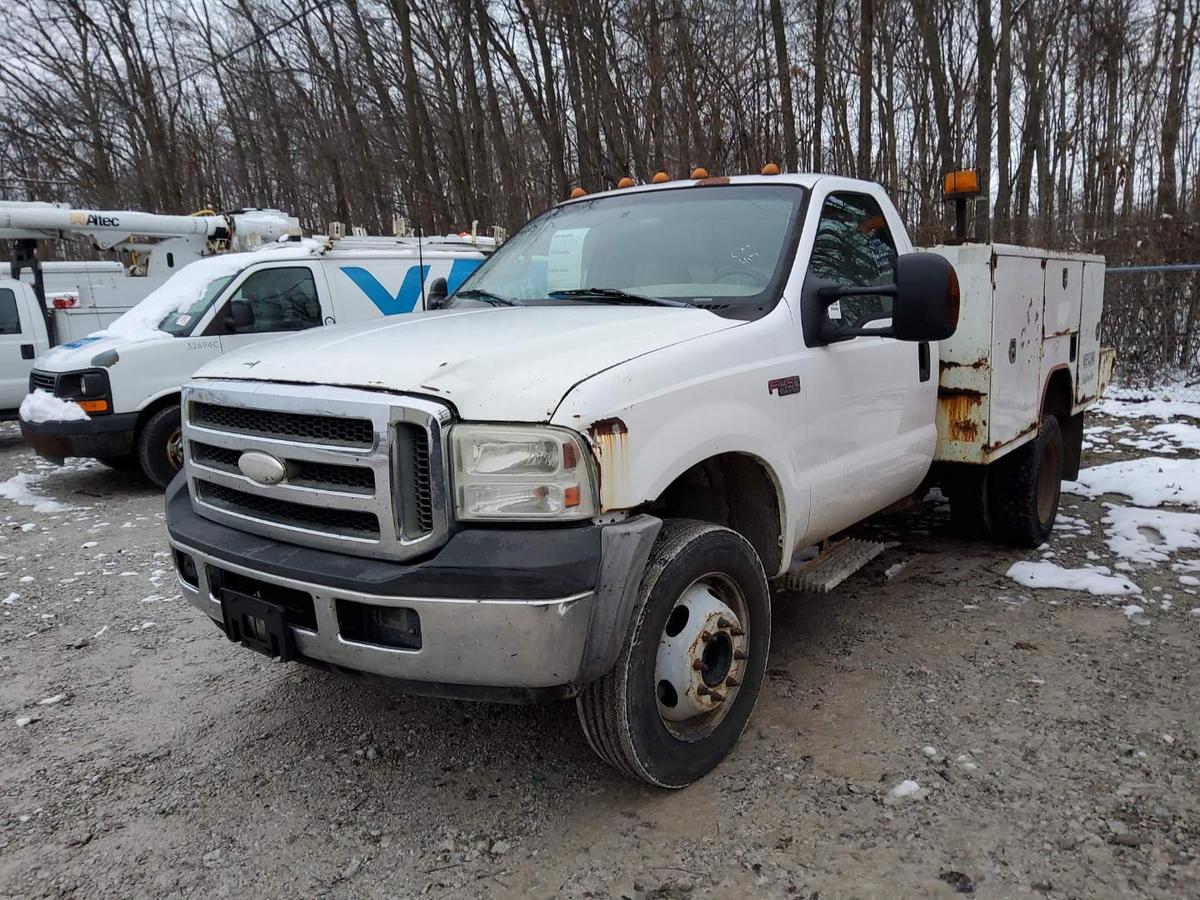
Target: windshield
<point x="706" y="246"/>
<point x="181" y="322"/>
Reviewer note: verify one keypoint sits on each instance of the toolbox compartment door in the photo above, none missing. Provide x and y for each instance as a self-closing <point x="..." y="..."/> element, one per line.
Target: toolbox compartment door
<point x="1087" y="381"/>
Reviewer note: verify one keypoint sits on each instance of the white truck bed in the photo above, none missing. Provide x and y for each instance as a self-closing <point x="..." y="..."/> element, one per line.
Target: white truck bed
<point x="1025" y="315"/>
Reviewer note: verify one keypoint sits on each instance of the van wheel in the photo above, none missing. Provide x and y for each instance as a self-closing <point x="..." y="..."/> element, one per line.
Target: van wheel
<point x="1026" y="487"/>
<point x="160" y="445"/>
<point x="693" y="660"/>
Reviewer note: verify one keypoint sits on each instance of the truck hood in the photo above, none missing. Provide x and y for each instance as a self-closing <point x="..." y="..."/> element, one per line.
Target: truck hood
<point x="500" y="364"/>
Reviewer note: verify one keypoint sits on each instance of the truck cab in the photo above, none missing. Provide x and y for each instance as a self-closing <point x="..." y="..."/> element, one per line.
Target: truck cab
<point x="126" y="379"/>
<point x="22" y="339"/>
<point x="578" y="477"/>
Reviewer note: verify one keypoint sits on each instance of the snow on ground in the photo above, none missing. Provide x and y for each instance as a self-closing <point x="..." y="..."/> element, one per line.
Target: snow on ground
<point x="1147" y="481"/>
<point x="19" y="489"/>
<point x="42" y="406"/>
<point x="1150" y="535"/>
<point x="1097" y="580"/>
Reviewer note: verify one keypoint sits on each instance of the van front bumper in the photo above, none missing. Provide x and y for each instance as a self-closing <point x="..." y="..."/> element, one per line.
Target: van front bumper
<point x="515" y="615"/>
<point x="101" y="437"/>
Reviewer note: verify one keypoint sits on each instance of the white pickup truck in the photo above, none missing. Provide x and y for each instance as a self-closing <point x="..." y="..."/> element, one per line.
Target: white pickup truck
<point x="114" y="395"/>
<point x="578" y="477"/>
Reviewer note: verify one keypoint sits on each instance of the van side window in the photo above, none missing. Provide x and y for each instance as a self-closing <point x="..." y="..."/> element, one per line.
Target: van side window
<point x="279" y="300"/>
<point x="854" y="248"/>
<point x="10" y="320"/>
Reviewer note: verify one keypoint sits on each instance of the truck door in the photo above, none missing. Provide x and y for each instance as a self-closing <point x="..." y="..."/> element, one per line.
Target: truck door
<point x="21" y="340"/>
<point x="871" y="399"/>
<point x="270" y="301"/>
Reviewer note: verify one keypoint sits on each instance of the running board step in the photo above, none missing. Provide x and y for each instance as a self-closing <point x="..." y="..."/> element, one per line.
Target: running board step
<point x="833" y="565"/>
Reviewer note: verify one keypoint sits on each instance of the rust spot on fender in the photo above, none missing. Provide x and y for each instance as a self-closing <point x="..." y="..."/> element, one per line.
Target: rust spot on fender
<point x="610" y="438"/>
<point x="962" y="408"/>
<point x="946" y="364"/>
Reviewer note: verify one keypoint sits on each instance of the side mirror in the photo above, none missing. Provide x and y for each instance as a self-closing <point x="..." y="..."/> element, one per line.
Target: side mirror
<point x="435" y="297"/>
<point x="925" y="302"/>
<point x="241" y="315"/>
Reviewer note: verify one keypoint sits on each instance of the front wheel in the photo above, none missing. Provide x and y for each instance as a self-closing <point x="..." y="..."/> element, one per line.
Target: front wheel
<point x="160" y="445"/>
<point x="693" y="660"/>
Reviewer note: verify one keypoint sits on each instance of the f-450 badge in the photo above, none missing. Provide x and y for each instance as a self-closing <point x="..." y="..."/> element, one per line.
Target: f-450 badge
<point x="784" y="386"/>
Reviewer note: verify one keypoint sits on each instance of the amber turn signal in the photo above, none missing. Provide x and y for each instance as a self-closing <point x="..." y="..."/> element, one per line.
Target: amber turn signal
<point x="93" y="406"/>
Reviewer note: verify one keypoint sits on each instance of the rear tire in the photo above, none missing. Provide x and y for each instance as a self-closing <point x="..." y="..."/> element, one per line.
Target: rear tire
<point x="160" y="445"/>
<point x="693" y="660"/>
<point x="970" y="503"/>
<point x="1026" y="486"/>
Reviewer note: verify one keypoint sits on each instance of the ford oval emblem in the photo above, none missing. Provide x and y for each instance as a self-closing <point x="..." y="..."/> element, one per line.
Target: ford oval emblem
<point x="261" y="467"/>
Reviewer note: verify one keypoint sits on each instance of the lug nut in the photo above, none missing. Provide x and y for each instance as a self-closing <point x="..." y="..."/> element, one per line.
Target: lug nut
<point x="697" y="664"/>
<point x="740" y="654"/>
<point x="717" y="697"/>
<point x="737" y="632"/>
<point x="703" y="691"/>
<point x="706" y="636"/>
<point x="731" y="682"/>
<point x="723" y="622"/>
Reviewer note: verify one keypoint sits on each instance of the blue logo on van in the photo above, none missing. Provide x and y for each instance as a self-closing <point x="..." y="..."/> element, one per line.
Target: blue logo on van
<point x="410" y="290"/>
<point x="75" y="345"/>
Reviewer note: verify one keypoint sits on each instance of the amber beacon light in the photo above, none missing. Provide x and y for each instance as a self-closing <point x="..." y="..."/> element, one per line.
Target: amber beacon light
<point x="964" y="183"/>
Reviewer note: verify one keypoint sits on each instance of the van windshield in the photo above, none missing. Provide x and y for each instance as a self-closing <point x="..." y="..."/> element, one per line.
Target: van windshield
<point x="709" y="246"/>
<point x="181" y="322"/>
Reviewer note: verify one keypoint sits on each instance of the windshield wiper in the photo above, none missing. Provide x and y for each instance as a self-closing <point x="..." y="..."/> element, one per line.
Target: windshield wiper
<point x="486" y="297"/>
<point x="605" y="293"/>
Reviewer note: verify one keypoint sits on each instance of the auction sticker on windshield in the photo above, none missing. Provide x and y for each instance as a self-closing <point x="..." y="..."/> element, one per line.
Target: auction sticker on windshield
<point x="564" y="271"/>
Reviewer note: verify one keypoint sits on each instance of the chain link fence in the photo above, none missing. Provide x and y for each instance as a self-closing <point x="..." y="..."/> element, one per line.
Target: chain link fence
<point x="1152" y="318"/>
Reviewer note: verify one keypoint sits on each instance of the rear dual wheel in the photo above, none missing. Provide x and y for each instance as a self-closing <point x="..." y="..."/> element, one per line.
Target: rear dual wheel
<point x="1015" y="499"/>
<point x="693" y="661"/>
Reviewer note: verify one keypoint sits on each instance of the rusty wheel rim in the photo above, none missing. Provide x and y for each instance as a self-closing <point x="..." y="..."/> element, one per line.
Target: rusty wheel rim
<point x="1048" y="484"/>
<point x="702" y="657"/>
<point x="175" y="449"/>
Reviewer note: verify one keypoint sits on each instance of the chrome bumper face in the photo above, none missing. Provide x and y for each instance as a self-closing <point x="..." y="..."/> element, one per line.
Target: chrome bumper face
<point x="485" y="643"/>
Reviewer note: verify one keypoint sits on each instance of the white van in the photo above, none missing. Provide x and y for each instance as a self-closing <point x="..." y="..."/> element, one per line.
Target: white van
<point x="114" y="395"/>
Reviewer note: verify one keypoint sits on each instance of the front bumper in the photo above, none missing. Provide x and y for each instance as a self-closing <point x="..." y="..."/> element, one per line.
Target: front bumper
<point x="505" y="614"/>
<point x="100" y="437"/>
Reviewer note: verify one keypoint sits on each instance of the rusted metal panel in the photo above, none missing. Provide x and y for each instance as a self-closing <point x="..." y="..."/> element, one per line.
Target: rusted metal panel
<point x="610" y="440"/>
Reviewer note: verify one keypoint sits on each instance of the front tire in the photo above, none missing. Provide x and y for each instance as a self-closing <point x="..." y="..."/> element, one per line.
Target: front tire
<point x="693" y="660"/>
<point x="160" y="445"/>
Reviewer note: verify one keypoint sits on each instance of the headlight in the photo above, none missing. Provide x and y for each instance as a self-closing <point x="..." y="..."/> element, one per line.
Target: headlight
<point x="515" y="472"/>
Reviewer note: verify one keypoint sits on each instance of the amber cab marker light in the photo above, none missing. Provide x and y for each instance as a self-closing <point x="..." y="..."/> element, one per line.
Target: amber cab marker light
<point x="625" y="182"/>
<point x="770" y="169"/>
<point x="699" y="172"/>
<point x="576" y="193"/>
<point x="660" y="178"/>
<point x="964" y="183"/>
<point x="93" y="406"/>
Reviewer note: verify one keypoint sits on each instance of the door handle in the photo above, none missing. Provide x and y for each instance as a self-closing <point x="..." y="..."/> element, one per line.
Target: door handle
<point x="923" y="360"/>
<point x="27" y="351"/>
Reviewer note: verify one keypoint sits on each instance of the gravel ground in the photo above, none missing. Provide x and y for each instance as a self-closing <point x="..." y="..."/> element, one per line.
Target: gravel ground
<point x="1052" y="736"/>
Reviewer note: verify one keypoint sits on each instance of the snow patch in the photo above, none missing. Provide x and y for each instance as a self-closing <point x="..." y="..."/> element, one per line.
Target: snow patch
<point x="1149" y="535"/>
<point x="1149" y="481"/>
<point x="42" y="406"/>
<point x="19" y="490"/>
<point x="906" y="788"/>
<point x="1096" y="580"/>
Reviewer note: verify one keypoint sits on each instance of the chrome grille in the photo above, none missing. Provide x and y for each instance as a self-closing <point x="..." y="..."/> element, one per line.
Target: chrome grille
<point x="336" y="430"/>
<point x="363" y="472"/>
